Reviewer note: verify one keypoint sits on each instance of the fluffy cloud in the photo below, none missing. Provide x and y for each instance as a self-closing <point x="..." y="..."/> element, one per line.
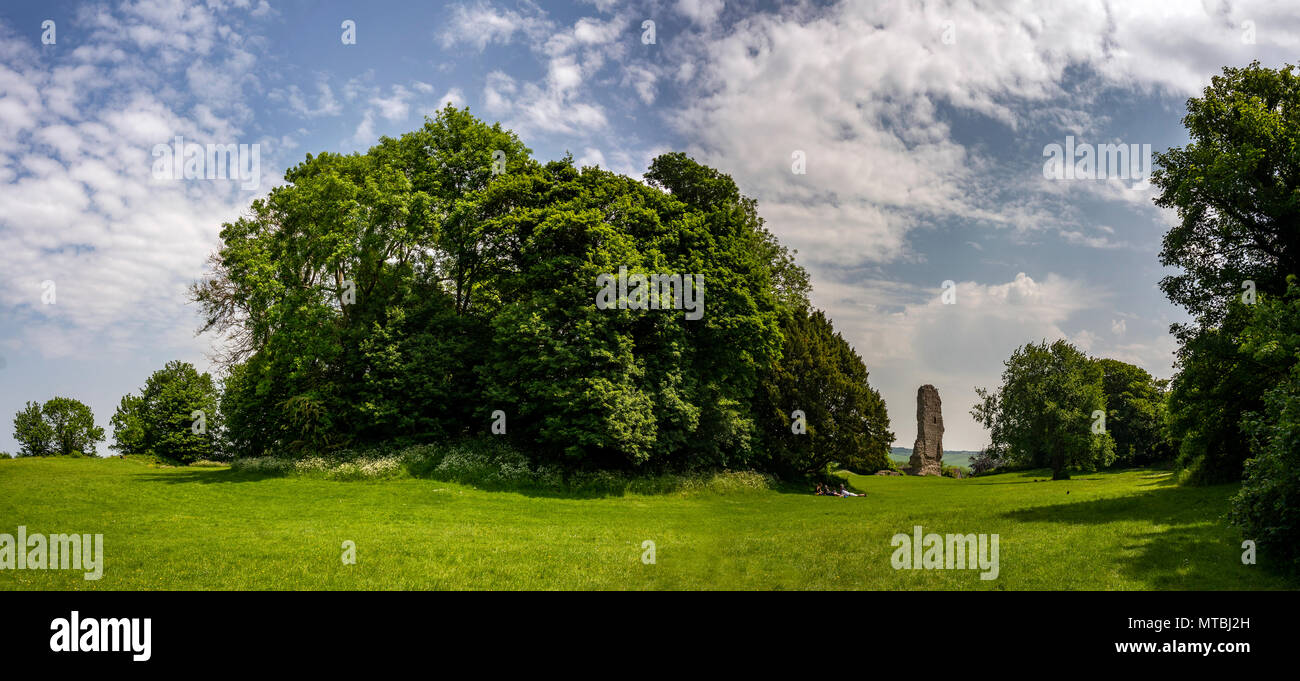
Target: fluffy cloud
<point x="398" y="104"/>
<point x="857" y="89"/>
<point x="324" y="104"/>
<point x="482" y="24"/>
<point x="701" y="12"/>
<point x="81" y="214"/>
<point x="561" y="102"/>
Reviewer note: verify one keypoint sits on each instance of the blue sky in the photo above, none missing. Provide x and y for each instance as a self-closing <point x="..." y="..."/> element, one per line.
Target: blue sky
<point x="923" y="126"/>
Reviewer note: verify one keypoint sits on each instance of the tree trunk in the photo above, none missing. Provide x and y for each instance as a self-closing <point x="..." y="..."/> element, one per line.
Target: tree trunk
<point x="1058" y="465"/>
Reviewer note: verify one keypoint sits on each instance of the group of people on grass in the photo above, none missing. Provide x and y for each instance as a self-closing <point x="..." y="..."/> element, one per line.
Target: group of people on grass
<point x="828" y="491"/>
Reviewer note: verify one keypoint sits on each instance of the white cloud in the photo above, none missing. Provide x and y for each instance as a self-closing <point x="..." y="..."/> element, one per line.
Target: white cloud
<point x="78" y="204"/>
<point x="701" y="12"/>
<point x="398" y="105"/>
<point x="562" y="101"/>
<point x="482" y="24"/>
<point x="643" y="81"/>
<point x="325" y="104"/>
<point x="857" y="87"/>
<point x="592" y="156"/>
<point x="497" y="93"/>
<point x="595" y="32"/>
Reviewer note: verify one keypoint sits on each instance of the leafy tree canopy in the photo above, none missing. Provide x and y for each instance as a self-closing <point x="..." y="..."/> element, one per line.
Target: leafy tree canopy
<point x="61" y="426"/>
<point x="1236" y="189"/>
<point x="175" y="416"/>
<point x="1044" y="412"/>
<point x="444" y="276"/>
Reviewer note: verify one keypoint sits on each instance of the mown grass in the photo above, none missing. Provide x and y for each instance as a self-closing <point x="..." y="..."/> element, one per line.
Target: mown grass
<point x="213" y="528"/>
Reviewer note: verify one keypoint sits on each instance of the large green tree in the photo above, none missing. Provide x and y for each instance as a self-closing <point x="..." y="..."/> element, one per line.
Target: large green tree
<point x="416" y="290"/>
<point x="354" y="296"/>
<point x="1044" y="413"/>
<point x="816" y="405"/>
<point x="1236" y="190"/>
<point x="1215" y="387"/>
<point x="622" y="385"/>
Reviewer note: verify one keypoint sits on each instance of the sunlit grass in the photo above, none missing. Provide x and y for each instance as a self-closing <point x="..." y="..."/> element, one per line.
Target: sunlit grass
<point x="211" y="528"/>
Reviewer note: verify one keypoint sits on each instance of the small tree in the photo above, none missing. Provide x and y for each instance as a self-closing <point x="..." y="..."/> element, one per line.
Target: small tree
<point x="1043" y="415"/>
<point x="175" y="416"/>
<point x="34" y="435"/>
<point x="128" y="426"/>
<point x="60" y="426"/>
<point x="74" y="426"/>
<point x="982" y="463"/>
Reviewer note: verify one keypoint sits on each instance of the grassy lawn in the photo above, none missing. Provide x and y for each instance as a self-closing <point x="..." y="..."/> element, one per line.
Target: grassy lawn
<point x="210" y="528"/>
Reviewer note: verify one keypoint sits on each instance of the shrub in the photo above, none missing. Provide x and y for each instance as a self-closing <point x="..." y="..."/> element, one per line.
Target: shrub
<point x="983" y="463"/>
<point x="1267" y="508"/>
<point x="493" y="465"/>
<point x="955" y="472"/>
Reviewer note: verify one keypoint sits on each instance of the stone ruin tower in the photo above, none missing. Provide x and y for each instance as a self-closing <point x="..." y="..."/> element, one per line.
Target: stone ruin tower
<point x="927" y="452"/>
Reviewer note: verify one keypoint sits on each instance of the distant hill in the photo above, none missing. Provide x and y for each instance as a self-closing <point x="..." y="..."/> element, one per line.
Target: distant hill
<point x="951" y="457"/>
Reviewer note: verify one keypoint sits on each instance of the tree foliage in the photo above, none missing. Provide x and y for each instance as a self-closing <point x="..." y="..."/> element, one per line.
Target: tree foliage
<point x="1135" y="413"/>
<point x="410" y="292"/>
<point x="61" y="426"/>
<point x="34" y="434"/>
<point x="1268" y="505"/>
<point x="175" y="416"/>
<point x="1043" y="413"/>
<point x="1215" y="387"/>
<point x="823" y="378"/>
<point x="1236" y="190"/>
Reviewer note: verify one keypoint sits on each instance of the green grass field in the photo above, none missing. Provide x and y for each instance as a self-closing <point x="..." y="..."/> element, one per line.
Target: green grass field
<point x="211" y="528"/>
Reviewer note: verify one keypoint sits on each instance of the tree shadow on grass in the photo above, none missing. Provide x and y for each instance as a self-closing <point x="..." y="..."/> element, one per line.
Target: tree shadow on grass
<point x="1035" y="475"/>
<point x="206" y="476"/>
<point x="611" y="489"/>
<point x="1159" y="480"/>
<point x="1194" y="550"/>
<point x="1165" y="504"/>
